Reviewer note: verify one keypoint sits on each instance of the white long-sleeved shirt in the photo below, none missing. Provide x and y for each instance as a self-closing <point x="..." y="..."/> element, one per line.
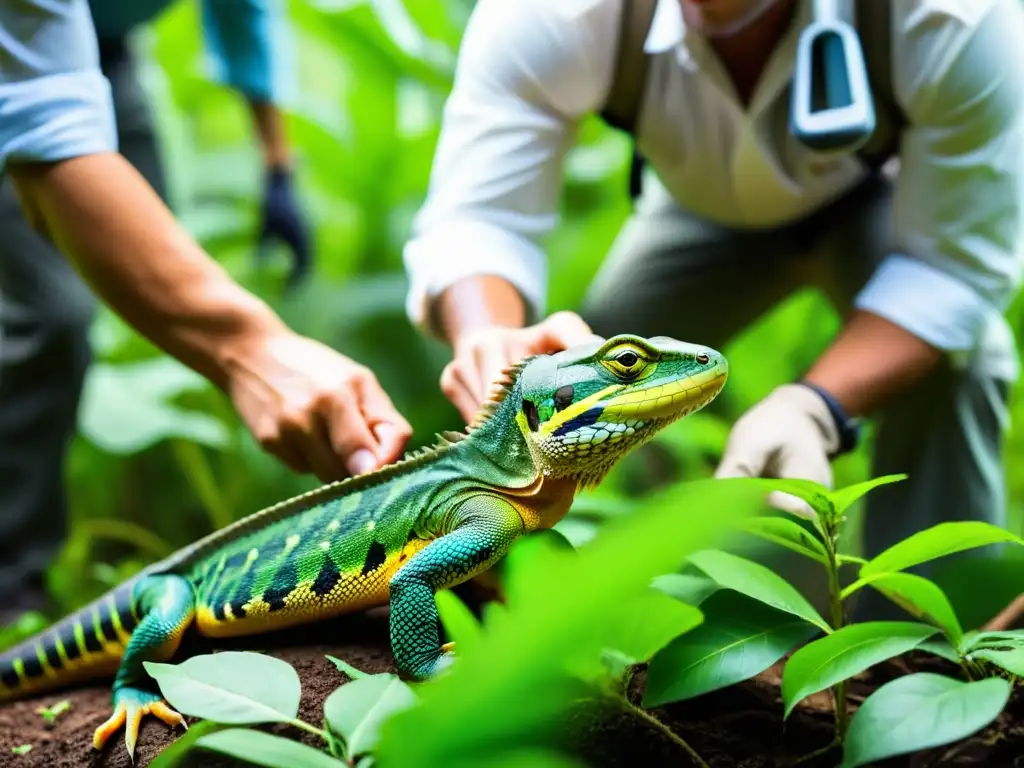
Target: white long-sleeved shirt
<point x="54" y="101"/>
<point x="529" y="70"/>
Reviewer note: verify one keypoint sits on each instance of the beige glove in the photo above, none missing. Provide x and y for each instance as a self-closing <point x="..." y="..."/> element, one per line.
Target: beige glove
<point x="789" y="434"/>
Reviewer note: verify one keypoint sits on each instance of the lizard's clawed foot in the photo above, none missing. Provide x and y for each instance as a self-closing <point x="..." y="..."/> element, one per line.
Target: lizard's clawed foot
<point x="130" y="706"/>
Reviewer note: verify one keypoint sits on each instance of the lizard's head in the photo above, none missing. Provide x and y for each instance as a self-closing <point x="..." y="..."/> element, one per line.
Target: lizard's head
<point x="584" y="408"/>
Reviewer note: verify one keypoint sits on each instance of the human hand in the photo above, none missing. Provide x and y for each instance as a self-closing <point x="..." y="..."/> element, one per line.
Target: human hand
<point x="789" y="434"/>
<point x="315" y="409"/>
<point x="482" y="354"/>
<point x="281" y="218"/>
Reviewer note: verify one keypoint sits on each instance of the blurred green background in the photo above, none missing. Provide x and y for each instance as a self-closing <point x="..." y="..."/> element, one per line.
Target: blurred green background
<point x="161" y="459"/>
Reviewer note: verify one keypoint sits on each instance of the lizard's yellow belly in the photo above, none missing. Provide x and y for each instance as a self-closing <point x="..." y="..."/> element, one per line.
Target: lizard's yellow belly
<point x="353" y="591"/>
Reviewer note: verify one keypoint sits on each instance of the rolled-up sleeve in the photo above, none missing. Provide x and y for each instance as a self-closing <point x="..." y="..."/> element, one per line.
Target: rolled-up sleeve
<point x="526" y="72"/>
<point x="55" y="103"/>
<point x="957" y="214"/>
<point x="250" y="46"/>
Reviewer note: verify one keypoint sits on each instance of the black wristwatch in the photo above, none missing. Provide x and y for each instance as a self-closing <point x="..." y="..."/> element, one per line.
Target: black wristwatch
<point x="849" y="429"/>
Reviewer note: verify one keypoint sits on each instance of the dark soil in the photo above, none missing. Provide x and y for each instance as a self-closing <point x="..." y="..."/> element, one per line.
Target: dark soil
<point x="740" y="727"/>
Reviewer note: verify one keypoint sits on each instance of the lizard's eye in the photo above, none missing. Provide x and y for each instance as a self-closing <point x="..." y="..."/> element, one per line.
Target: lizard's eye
<point x="627" y="359"/>
<point x="626" y="364"/>
<point x="702" y="358"/>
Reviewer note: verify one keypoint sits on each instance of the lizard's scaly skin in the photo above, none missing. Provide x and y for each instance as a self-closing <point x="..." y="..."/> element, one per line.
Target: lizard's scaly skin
<point x="395" y="536"/>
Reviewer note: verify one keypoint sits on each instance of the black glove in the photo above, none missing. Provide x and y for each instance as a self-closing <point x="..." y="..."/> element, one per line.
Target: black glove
<point x="282" y="219"/>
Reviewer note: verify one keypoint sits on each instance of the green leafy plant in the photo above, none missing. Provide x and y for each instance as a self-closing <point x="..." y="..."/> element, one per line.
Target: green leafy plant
<point x="739" y="640"/>
<point x="233" y="689"/>
<point x="51" y="713"/>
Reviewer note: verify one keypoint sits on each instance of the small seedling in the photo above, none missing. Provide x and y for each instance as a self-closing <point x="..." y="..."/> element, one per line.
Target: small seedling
<point x="24" y="749"/>
<point x="50" y="714"/>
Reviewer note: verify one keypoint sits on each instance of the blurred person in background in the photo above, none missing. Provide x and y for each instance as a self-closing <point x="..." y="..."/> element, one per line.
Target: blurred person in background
<point x="740" y="215"/>
<point x="67" y="195"/>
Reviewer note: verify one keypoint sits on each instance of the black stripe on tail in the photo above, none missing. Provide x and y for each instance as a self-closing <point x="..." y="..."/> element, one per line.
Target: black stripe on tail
<point x="82" y="645"/>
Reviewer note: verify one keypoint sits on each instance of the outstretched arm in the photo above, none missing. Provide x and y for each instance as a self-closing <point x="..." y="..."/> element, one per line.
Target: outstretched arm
<point x="956" y="262"/>
<point x="309" y="406"/>
<point x="957" y="215"/>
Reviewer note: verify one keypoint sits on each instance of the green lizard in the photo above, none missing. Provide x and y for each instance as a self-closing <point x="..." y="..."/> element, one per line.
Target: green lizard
<point x="430" y="521"/>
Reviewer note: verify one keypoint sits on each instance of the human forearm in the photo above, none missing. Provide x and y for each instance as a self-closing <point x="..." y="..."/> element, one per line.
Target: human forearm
<point x="124" y="241"/>
<point x="269" y="124"/>
<point x="481" y="301"/>
<point x="871" y="361"/>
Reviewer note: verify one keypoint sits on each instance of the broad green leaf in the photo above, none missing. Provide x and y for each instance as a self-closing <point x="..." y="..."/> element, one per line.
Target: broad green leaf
<point x="576" y="530"/>
<point x="561" y="612"/>
<point x="740" y="637"/>
<point x="648" y="622"/>
<point x="529" y="758"/>
<point x="266" y="749"/>
<point x="842" y="498"/>
<point x="128" y="407"/>
<point x="616" y="664"/>
<point x="921" y="598"/>
<point x="787" y="533"/>
<point x="690" y="588"/>
<point x="347" y="668"/>
<point x="921" y="711"/>
<point x="232" y="687"/>
<point x="846" y="652"/>
<point x="1010" y="659"/>
<point x="523" y="560"/>
<point x="459" y="622"/>
<point x="756" y="581"/>
<point x="941" y="648"/>
<point x="356" y="710"/>
<point x="935" y="542"/>
<point x="179" y="749"/>
<point x="815" y="494"/>
<point x="994" y="638"/>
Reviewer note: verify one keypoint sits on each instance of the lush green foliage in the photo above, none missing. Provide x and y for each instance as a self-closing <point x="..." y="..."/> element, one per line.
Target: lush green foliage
<point x="575" y="621"/>
<point x="914" y="712"/>
<point x="161" y="459"/>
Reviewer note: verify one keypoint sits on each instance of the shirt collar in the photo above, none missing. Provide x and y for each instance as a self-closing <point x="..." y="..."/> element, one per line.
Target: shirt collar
<point x="668" y="28"/>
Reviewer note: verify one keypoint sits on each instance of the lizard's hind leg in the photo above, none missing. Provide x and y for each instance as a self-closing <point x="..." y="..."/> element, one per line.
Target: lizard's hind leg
<point x="165" y="606"/>
<point x="486" y="529"/>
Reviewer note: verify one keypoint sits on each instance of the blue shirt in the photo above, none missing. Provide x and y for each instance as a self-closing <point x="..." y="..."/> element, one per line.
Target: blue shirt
<point x="247" y="38"/>
<point x="54" y="101"/>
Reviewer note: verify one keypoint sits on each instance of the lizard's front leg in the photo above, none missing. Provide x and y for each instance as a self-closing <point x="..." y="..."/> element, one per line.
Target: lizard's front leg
<point x="167" y="606"/>
<point x="486" y="529"/>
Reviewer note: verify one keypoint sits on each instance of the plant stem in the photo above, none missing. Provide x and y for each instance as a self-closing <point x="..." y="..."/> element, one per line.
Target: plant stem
<point x="666" y="731"/>
<point x="838" y="620"/>
<point x="309" y="728"/>
<point x="199" y="475"/>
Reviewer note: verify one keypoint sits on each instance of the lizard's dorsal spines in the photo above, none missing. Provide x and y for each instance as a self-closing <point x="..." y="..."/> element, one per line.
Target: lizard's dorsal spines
<point x="497" y="396"/>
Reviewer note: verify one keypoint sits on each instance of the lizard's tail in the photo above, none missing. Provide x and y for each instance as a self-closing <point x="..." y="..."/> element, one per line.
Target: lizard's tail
<point x="84" y="645"/>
